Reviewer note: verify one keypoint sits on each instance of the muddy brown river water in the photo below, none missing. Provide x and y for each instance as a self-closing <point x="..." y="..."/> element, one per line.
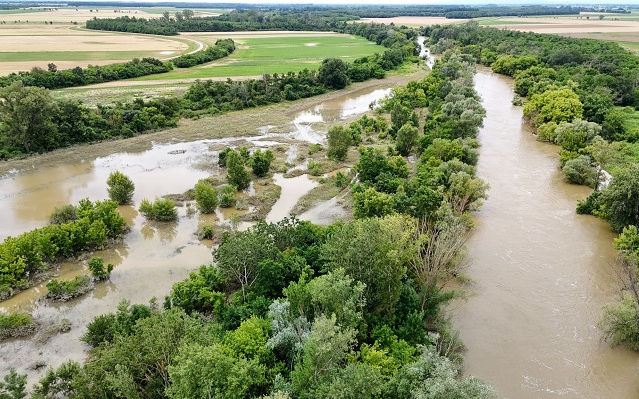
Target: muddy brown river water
<point x="542" y="272"/>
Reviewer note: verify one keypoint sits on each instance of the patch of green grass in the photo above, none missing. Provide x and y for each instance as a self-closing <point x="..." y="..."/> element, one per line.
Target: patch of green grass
<point x="108" y="95"/>
<point x="258" y="56"/>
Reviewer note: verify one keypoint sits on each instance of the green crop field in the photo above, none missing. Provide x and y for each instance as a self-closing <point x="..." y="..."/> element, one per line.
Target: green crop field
<point x="257" y="56"/>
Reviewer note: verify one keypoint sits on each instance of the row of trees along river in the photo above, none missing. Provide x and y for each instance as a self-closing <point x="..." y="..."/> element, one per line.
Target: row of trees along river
<point x="543" y="272"/>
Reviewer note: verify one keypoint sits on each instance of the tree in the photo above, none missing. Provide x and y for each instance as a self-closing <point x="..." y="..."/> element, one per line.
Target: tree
<point x="324" y="350"/>
<point x="237" y="175"/>
<point x="14" y="386"/>
<point x="406" y="138"/>
<point x="205" y="196"/>
<point x="188" y="14"/>
<point x="465" y="192"/>
<point x="239" y="254"/>
<point x="433" y="376"/>
<point x="376" y="252"/>
<point x="339" y="139"/>
<point x="261" y="162"/>
<point x="558" y="105"/>
<point x="620" y="200"/>
<point x="333" y="73"/>
<point x="120" y="188"/>
<point x="214" y="371"/>
<point x="575" y="135"/>
<point x="26" y="117"/>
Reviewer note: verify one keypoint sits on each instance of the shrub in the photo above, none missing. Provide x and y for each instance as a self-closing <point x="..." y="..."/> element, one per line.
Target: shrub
<point x="237" y="175"/>
<point x="261" y="162"/>
<point x="64" y="290"/>
<point x="314" y="168"/>
<point x="580" y="171"/>
<point x="120" y="188"/>
<point x="13" y="325"/>
<point x="96" y="266"/>
<point x="205" y="196"/>
<point x="63" y="214"/>
<point x="227" y="196"/>
<point x="207" y="233"/>
<point x="162" y="209"/>
<point x="339" y="139"/>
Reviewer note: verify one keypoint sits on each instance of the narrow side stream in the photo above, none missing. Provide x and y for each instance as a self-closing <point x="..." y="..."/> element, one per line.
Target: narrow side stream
<point x="542" y="272"/>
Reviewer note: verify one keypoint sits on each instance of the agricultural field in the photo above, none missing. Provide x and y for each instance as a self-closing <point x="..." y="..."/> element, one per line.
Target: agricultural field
<point x="35" y="37"/>
<point x="620" y="28"/>
<point x="259" y="53"/>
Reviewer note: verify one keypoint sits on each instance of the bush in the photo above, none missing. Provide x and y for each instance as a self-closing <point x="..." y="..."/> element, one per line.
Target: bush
<point x="237" y="175"/>
<point x="63" y="214"/>
<point x="162" y="209"/>
<point x="96" y="266"/>
<point x="261" y="162"/>
<point x="619" y="322"/>
<point x="227" y="196"/>
<point x="205" y="196"/>
<point x="14" y="325"/>
<point x="65" y="290"/>
<point x="207" y="233"/>
<point x="590" y="204"/>
<point x="339" y="139"/>
<point x="120" y="188"/>
<point x="580" y="171"/>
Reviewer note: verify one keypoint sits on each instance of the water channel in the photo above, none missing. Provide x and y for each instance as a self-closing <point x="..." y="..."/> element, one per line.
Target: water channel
<point x="152" y="255"/>
<point x="542" y="273"/>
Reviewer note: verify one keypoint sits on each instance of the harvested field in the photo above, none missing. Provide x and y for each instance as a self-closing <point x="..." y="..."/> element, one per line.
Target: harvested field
<point x="566" y="25"/>
<point x="23" y="47"/>
<point x="66" y="15"/>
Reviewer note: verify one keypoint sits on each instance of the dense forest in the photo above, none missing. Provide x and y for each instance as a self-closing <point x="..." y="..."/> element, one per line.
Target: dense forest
<point x="297" y="310"/>
<point x="582" y="95"/>
<point x="32" y="121"/>
<point x="53" y="78"/>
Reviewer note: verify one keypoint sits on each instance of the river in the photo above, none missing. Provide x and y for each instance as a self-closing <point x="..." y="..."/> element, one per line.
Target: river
<point x="542" y="272"/>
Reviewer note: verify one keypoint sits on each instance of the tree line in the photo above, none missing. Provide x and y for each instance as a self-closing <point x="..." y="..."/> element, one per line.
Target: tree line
<point x="583" y="96"/>
<point x="32" y="121"/>
<point x="53" y="78"/>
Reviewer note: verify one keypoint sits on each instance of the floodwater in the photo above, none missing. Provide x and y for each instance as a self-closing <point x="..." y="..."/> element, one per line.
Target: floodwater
<point x="153" y="255"/>
<point x="542" y="273"/>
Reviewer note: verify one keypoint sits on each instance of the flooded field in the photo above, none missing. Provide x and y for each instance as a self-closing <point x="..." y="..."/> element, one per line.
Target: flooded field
<point x="153" y="255"/>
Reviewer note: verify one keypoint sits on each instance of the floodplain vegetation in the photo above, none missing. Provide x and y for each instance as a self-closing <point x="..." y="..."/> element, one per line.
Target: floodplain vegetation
<point x="580" y="94"/>
<point x="297" y="310"/>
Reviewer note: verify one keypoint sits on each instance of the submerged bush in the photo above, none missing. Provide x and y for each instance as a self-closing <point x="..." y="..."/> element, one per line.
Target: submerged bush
<point x="63" y="214"/>
<point x="64" y="290"/>
<point x="99" y="272"/>
<point x="205" y="196"/>
<point x="162" y="209"/>
<point x="120" y="188"/>
<point x="227" y="196"/>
